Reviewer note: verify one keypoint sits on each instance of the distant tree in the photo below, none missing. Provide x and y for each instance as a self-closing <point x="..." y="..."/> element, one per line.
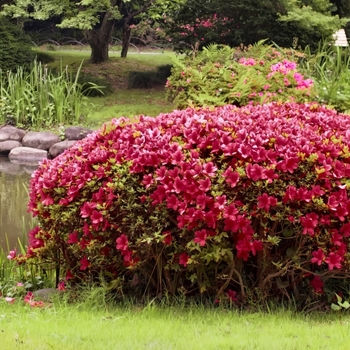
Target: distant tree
<point x="97" y="19"/>
<point x="200" y="22"/>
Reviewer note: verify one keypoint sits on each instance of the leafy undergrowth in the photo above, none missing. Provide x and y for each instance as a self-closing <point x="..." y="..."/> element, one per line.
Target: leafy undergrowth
<point x="241" y="203"/>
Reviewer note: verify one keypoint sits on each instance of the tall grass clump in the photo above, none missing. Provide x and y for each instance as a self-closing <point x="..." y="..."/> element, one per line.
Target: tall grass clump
<point x="329" y="68"/>
<point x="39" y="98"/>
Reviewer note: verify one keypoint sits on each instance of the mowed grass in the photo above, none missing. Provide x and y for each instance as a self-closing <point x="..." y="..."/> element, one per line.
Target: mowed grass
<point x="77" y="327"/>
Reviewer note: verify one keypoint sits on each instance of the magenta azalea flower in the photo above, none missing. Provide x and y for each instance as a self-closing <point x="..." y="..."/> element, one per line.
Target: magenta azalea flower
<point x="309" y="223"/>
<point x="255" y="172"/>
<point x="84" y="263"/>
<point x="122" y="242"/>
<point x="200" y="237"/>
<point x="265" y="201"/>
<point x="183" y="259"/>
<point x="232" y="295"/>
<point x="318" y="257"/>
<point x="317" y="284"/>
<point x="334" y="261"/>
<point x="167" y="237"/>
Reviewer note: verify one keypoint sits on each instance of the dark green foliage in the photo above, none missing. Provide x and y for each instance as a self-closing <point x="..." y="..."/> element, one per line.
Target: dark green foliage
<point x="149" y="79"/>
<point x="15" y="46"/>
<point x="164" y="72"/>
<point x="198" y="23"/>
<point x="43" y="57"/>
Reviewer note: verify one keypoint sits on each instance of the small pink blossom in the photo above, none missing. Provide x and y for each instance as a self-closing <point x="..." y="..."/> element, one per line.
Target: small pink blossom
<point x="12" y="254"/>
<point x="61" y="286"/>
<point x="10" y="300"/>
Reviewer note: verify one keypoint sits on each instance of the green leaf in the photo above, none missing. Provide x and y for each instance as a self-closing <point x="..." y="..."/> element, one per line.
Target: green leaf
<point x="335" y="307"/>
<point x="290" y="252"/>
<point x="338" y="298"/>
<point x="287" y="232"/>
<point x="345" y="305"/>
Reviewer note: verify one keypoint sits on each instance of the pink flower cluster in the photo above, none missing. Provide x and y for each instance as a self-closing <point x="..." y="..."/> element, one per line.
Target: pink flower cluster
<point x="222" y="173"/>
<point x="285" y="68"/>
<point x="28" y="299"/>
<point x="205" y="24"/>
<point x="249" y="80"/>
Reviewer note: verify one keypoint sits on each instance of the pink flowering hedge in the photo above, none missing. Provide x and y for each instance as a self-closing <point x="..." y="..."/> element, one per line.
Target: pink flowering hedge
<point x="243" y="202"/>
<point x="220" y="75"/>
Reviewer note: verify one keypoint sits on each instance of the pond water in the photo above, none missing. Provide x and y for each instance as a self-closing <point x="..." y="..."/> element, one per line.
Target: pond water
<point x="15" y="221"/>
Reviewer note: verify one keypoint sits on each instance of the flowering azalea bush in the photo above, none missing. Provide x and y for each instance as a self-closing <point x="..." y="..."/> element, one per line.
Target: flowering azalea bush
<point x="216" y="78"/>
<point x="224" y="201"/>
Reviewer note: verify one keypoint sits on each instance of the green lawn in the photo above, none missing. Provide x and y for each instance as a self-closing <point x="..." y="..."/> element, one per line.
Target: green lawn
<point x="128" y="103"/>
<point x="76" y="327"/>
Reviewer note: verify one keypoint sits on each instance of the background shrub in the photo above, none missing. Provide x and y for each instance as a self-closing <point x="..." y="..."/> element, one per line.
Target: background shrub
<point x="252" y="202"/>
<point x="219" y="75"/>
<point x="93" y="85"/>
<point x="43" y="57"/>
<point x="15" y="46"/>
<point x="149" y="79"/>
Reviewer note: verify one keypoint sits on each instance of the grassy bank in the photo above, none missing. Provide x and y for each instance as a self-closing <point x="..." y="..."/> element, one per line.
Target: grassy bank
<point x="77" y="327"/>
<point x="128" y="103"/>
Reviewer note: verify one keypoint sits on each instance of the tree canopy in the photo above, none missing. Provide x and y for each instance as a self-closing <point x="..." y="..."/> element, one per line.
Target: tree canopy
<point x="191" y="23"/>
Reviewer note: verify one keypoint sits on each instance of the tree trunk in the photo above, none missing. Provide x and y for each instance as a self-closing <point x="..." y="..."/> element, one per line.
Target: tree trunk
<point x="125" y="40"/>
<point x="99" y="49"/>
<point x="99" y="38"/>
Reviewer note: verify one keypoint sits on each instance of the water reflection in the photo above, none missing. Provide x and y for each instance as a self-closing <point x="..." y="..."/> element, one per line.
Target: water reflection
<point x="15" y="221"/>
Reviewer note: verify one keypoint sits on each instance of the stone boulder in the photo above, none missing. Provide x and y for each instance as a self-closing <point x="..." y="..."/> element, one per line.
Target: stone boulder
<point x="60" y="147"/>
<point x="40" y="140"/>
<point x="9" y="132"/>
<point x="76" y="133"/>
<point x="45" y="294"/>
<point x="7" y="146"/>
<point x="27" y="155"/>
